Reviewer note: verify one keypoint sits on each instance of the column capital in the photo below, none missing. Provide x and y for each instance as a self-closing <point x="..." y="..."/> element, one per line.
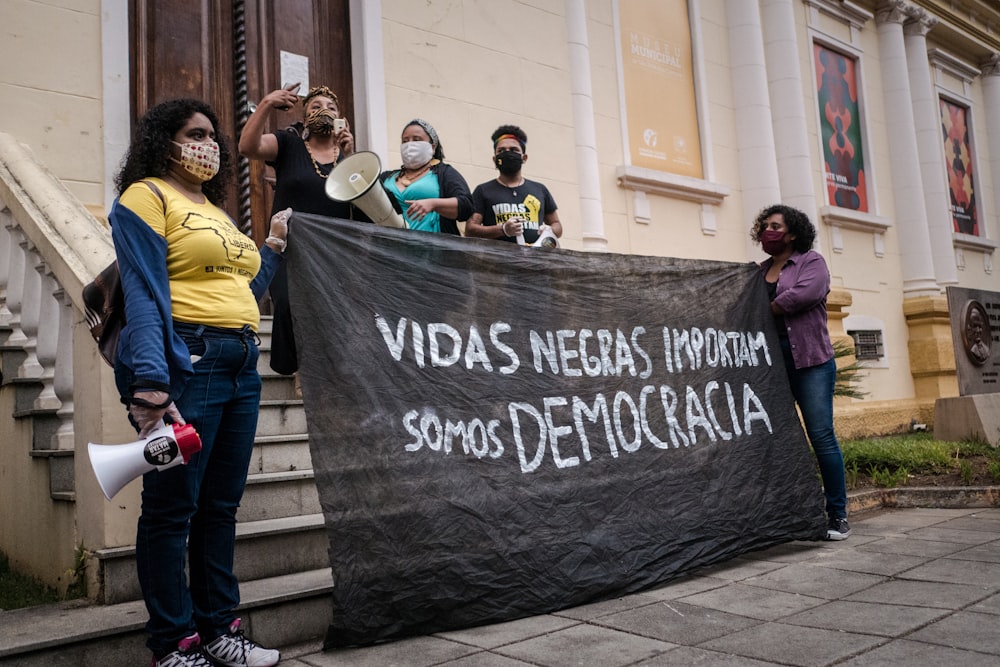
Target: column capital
<point x="892" y="11"/>
<point x="920" y="21"/>
<point x="991" y="66"/>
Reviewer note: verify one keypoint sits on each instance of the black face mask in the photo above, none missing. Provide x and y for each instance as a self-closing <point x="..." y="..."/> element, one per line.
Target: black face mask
<point x="508" y="162"/>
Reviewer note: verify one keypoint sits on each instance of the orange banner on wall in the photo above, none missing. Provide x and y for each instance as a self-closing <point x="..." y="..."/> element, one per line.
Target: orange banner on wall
<point x="658" y="80"/>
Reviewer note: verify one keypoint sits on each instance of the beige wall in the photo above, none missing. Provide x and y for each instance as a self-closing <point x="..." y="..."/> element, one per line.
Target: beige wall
<point x="467" y="66"/>
<point x="50" y="84"/>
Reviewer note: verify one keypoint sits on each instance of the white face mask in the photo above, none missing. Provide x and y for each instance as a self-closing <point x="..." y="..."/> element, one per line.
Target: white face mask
<point x="416" y="153"/>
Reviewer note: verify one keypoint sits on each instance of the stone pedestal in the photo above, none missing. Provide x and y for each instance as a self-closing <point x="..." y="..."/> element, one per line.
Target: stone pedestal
<point x="975" y="417"/>
<point x="932" y="358"/>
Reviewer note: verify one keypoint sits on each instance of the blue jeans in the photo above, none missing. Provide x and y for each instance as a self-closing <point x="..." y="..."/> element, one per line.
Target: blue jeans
<point x="812" y="388"/>
<point x="190" y="510"/>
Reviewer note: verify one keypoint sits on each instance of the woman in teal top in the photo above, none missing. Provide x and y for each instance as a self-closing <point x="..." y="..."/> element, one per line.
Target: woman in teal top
<point x="431" y="195"/>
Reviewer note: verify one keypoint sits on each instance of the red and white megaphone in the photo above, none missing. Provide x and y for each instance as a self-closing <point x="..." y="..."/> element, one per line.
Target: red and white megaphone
<point x="166" y="447"/>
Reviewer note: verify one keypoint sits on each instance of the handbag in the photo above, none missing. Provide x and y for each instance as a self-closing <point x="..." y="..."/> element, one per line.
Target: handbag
<point x="104" y="302"/>
<point x="104" y="307"/>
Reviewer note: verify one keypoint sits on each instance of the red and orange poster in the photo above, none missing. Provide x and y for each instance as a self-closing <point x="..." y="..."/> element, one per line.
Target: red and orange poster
<point x="840" y="128"/>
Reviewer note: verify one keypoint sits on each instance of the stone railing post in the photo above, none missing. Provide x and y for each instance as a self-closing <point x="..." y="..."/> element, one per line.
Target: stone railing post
<point x="30" y="307"/>
<point x="48" y="340"/>
<point x="15" y="285"/>
<point x="62" y="381"/>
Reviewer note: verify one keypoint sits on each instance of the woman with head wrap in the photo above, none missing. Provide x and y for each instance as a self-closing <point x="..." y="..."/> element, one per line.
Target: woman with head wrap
<point x="431" y="195"/>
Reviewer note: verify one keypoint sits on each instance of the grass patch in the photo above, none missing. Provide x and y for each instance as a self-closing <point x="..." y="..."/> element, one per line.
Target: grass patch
<point x="919" y="452"/>
<point x="897" y="460"/>
<point x="18" y="591"/>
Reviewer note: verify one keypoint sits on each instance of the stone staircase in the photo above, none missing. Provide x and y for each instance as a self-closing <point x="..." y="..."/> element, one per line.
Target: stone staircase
<point x="281" y="559"/>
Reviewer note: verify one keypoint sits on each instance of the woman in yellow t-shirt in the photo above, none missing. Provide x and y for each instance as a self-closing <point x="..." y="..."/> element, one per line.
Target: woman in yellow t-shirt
<point x="188" y="353"/>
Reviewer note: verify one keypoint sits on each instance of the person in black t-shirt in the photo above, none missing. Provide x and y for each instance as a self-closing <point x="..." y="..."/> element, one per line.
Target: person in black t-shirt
<point x="301" y="163"/>
<point x="510" y="205"/>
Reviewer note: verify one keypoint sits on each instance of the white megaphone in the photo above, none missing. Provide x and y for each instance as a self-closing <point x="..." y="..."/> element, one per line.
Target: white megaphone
<point x="166" y="447"/>
<point x="355" y="180"/>
<point x="546" y="239"/>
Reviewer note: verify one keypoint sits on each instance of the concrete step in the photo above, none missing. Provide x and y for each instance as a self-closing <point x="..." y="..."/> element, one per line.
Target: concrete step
<point x="276" y="611"/>
<point x="281" y="453"/>
<point x="275" y="495"/>
<point x="264" y="548"/>
<point x="276" y="387"/>
<point x="281" y="418"/>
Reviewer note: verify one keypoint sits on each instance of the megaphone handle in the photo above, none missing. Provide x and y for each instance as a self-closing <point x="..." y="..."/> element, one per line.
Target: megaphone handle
<point x="520" y="239"/>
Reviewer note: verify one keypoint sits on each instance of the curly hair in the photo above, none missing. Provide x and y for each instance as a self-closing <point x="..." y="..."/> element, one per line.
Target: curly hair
<point x="509" y="131"/>
<point x="149" y="153"/>
<point x="796" y="221"/>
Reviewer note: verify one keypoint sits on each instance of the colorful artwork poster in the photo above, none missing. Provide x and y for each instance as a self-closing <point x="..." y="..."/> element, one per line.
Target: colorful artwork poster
<point x="840" y="126"/>
<point x="958" y="163"/>
<point x="661" y="115"/>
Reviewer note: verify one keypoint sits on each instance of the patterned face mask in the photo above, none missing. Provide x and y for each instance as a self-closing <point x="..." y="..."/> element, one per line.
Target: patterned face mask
<point x="201" y="160"/>
<point x="321" y="121"/>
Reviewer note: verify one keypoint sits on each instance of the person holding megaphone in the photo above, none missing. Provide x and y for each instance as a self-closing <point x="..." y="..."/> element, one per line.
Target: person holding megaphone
<point x="431" y="195"/>
<point x="188" y="353"/>
<point x="302" y="157"/>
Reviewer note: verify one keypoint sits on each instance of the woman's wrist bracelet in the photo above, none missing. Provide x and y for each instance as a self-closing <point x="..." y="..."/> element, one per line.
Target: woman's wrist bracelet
<point x="281" y="243"/>
<point x="143" y="403"/>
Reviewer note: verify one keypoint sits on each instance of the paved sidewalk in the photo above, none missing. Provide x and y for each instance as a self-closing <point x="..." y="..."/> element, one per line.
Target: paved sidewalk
<point x="910" y="587"/>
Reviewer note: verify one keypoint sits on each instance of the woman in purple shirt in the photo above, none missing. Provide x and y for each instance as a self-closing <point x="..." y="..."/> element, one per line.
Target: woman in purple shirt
<point x="797" y="282"/>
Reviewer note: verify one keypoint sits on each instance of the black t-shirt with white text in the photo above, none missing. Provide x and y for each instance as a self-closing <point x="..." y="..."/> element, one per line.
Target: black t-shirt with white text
<point x="497" y="203"/>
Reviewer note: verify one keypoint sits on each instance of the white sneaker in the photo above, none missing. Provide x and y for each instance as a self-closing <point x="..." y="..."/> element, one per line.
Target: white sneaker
<point x="236" y="650"/>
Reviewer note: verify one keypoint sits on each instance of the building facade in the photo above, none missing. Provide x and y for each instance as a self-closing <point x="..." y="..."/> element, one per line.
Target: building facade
<point x="660" y="126"/>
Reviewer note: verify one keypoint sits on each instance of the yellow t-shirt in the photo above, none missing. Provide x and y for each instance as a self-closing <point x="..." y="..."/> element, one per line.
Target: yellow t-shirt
<point x="210" y="262"/>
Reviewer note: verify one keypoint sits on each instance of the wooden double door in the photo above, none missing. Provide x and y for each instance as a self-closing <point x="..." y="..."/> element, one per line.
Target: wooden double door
<point x="229" y="55"/>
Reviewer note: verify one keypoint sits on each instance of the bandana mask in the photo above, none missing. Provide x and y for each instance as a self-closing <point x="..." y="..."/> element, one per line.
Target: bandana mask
<point x="320" y="121"/>
<point x="772" y="241"/>
<point x="201" y="160"/>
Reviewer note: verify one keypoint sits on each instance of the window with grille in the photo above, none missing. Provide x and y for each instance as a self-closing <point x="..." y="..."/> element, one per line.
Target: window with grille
<point x="867" y="344"/>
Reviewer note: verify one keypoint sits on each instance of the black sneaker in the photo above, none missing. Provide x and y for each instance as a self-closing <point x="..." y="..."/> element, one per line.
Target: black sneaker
<point x="838" y="529"/>
<point x="188" y="654"/>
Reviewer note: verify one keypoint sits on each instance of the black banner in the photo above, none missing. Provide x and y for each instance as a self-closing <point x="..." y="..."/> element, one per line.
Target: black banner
<point x="498" y="432"/>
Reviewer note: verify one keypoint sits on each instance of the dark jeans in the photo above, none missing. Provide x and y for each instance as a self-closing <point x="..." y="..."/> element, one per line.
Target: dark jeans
<point x="812" y="388"/>
<point x="284" y="356"/>
<point x="189" y="512"/>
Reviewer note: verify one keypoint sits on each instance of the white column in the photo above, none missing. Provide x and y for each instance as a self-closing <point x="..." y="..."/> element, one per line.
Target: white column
<point x="927" y="122"/>
<point x="788" y="112"/>
<point x="584" y="132"/>
<point x="758" y="166"/>
<point x="904" y="159"/>
<point x="991" y="107"/>
<point x="368" y="70"/>
<point x="114" y="90"/>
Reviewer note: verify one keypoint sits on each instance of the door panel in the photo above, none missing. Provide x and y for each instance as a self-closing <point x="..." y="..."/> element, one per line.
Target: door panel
<point x="228" y="54"/>
<point x="317" y="29"/>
